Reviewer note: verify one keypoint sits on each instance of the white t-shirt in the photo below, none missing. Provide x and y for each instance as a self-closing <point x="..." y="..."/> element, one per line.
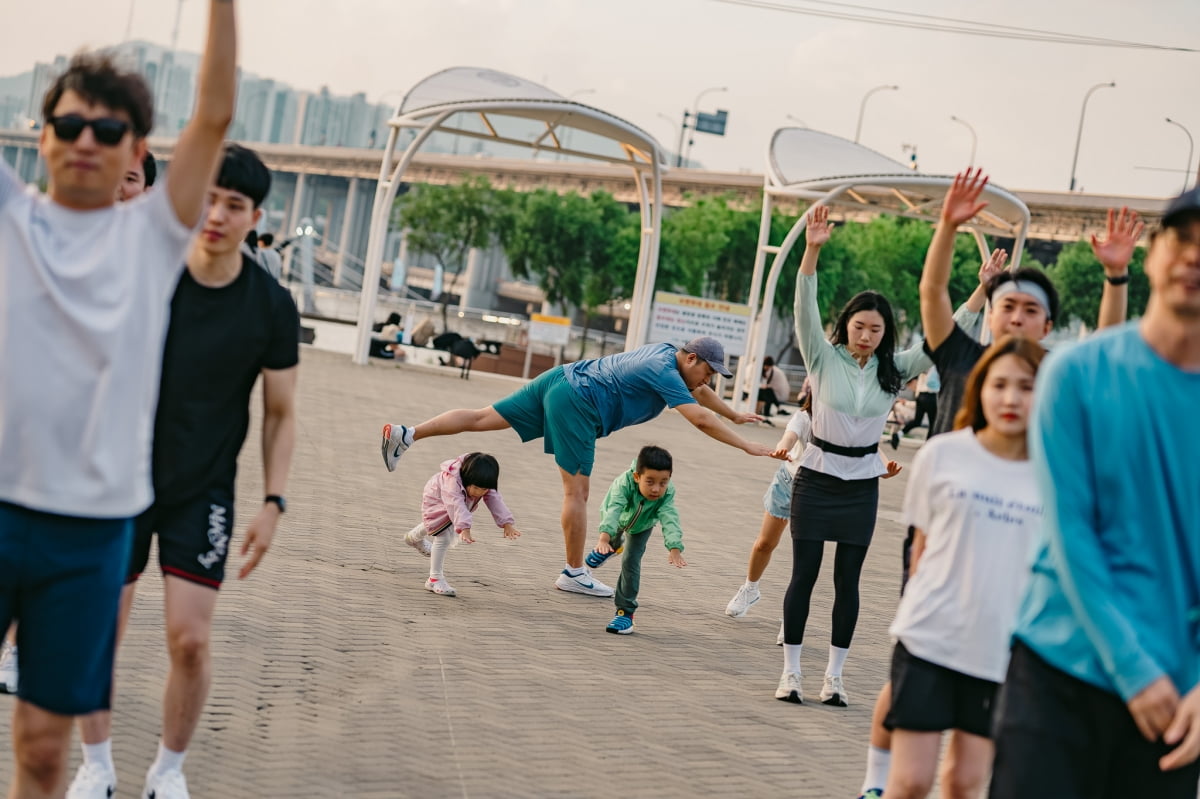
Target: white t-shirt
<point x="801" y="425"/>
<point x="84" y="303"/>
<point x="980" y="514"/>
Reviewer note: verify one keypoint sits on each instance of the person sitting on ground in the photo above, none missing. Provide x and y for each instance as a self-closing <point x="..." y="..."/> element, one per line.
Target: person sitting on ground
<point x="636" y="500"/>
<point x="773" y="389"/>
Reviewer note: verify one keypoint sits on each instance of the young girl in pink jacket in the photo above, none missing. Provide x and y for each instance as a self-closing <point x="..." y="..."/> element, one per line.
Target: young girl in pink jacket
<point x="450" y="497"/>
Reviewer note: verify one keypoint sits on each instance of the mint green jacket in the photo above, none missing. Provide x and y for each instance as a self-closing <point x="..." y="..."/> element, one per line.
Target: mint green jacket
<point x="625" y="510"/>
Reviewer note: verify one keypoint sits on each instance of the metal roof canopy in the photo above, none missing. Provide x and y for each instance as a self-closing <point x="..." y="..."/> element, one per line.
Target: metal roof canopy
<point x="441" y="101"/>
<point x="807" y="164"/>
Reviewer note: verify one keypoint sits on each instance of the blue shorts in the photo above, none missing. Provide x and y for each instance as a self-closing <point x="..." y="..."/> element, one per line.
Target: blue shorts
<point x="778" y="499"/>
<point x="61" y="579"/>
<point x="549" y="409"/>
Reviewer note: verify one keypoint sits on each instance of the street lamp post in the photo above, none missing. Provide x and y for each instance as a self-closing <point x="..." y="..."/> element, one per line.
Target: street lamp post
<point x="974" y="137"/>
<point x="863" y="107"/>
<point x="797" y="120"/>
<point x="1187" y="173"/>
<point x="695" y="112"/>
<point x="1079" y="133"/>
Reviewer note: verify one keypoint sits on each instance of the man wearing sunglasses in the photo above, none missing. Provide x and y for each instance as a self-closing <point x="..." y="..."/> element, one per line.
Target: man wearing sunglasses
<point x="86" y="290"/>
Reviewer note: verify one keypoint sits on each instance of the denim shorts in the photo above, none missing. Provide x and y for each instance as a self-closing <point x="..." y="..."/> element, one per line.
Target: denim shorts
<point x="60" y="579"/>
<point x="778" y="499"/>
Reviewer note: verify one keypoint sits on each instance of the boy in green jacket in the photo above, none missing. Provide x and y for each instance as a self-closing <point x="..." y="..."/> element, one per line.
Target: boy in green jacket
<point x="635" y="501"/>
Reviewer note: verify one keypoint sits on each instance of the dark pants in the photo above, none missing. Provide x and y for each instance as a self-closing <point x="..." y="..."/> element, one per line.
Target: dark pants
<point x="768" y="399"/>
<point x="806" y="565"/>
<point x="926" y="406"/>
<point x="1058" y="737"/>
<point x="631" y="568"/>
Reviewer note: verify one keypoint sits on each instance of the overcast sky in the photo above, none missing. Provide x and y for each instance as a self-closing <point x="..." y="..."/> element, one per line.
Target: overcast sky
<point x="643" y="58"/>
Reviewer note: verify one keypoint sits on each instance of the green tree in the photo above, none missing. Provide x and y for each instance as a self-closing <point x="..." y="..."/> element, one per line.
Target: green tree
<point x="446" y="222"/>
<point x="1079" y="279"/>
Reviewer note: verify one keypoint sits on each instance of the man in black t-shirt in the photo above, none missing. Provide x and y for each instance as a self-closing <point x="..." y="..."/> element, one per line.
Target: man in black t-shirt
<point x="1024" y="303"/>
<point x="230" y="323"/>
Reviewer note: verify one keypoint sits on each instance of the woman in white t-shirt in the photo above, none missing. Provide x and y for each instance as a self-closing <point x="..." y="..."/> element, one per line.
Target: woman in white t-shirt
<point x="777" y="505"/>
<point x="976" y="507"/>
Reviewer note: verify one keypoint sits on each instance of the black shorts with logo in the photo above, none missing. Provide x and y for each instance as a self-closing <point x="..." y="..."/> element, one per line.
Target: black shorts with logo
<point x="927" y="697"/>
<point x="193" y="537"/>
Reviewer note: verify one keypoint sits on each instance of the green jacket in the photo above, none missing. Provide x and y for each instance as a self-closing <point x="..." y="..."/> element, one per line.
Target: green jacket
<point x="625" y="510"/>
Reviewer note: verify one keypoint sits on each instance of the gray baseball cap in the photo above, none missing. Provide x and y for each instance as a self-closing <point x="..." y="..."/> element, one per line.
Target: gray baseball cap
<point x="711" y="351"/>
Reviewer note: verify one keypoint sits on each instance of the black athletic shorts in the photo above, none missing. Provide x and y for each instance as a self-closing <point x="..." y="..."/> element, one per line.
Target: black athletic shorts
<point x="193" y="537"/>
<point x="931" y="698"/>
<point x="1058" y="737"/>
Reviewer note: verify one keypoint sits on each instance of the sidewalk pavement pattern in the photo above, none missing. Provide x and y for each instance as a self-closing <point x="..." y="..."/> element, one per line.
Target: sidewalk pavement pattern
<point x="336" y="674"/>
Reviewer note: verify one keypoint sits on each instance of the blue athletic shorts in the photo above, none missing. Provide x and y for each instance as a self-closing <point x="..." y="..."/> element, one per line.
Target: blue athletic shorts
<point x="60" y="579"/>
<point x="778" y="499"/>
<point x="549" y="409"/>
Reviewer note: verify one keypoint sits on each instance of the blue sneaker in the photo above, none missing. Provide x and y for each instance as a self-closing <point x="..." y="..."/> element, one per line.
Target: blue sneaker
<point x="622" y="623"/>
<point x="595" y="560"/>
<point x="874" y="793"/>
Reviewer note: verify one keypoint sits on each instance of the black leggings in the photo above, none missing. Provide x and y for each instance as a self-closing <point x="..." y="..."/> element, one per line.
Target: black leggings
<point x="806" y="565"/>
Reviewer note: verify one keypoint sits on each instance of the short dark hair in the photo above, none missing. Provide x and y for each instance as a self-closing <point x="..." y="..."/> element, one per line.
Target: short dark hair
<point x="149" y="168"/>
<point x="1033" y="275"/>
<point x="768" y="361"/>
<point x="656" y="458"/>
<point x="244" y="172"/>
<point x="97" y="79"/>
<point x="887" y="373"/>
<point x="266" y="239"/>
<point x="480" y="470"/>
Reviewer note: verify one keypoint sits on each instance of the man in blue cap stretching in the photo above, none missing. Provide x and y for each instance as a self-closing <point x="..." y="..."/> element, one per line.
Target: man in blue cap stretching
<point x="571" y="406"/>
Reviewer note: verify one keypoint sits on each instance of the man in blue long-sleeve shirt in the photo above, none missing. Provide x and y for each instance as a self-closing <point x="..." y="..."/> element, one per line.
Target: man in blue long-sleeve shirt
<point x="1102" y="696"/>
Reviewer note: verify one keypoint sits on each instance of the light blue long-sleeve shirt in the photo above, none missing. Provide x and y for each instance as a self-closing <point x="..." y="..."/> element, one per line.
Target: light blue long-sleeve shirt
<point x="1114" y="598"/>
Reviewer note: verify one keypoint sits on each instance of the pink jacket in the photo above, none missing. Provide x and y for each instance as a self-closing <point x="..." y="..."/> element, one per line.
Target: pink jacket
<point x="445" y="500"/>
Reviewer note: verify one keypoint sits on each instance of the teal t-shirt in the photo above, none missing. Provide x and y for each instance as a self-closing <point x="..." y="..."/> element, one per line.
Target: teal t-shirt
<point x="632" y="387"/>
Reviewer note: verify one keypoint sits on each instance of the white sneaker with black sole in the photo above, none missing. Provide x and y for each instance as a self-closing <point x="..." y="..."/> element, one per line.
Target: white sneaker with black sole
<point x="396" y="439"/>
<point x="789" y="689"/>
<point x="93" y="781"/>
<point x="833" y="692"/>
<point x="583" y="583"/>
<point x="742" y="600"/>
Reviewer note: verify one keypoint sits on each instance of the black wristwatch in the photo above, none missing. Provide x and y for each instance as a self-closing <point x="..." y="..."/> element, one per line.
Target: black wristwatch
<point x="1117" y="280"/>
<point x="279" y="501"/>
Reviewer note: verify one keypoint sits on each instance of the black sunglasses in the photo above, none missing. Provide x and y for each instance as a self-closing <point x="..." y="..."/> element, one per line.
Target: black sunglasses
<point x="107" y="130"/>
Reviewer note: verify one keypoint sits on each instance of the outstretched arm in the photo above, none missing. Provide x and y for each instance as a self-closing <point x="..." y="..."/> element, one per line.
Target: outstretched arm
<point x="704" y="421"/>
<point x="199" y="144"/>
<point x="1114" y="253"/>
<point x="960" y="206"/>
<point x="709" y="399"/>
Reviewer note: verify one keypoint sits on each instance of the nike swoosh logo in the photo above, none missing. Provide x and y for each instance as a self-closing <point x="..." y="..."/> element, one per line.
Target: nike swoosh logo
<point x="587" y="585"/>
<point x="396" y="454"/>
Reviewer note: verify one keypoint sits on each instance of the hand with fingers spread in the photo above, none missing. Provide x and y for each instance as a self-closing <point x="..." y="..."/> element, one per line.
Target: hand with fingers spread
<point x="1154" y="707"/>
<point x="1121" y="236"/>
<point x="1183" y="734"/>
<point x="511" y="532"/>
<point x="893" y="469"/>
<point x="818" y="226"/>
<point x="993" y="266"/>
<point x="675" y="558"/>
<point x="962" y="201"/>
<point x="743" y="418"/>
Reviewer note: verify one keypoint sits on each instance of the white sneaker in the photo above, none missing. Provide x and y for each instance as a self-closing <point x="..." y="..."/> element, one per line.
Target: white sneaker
<point x="8" y="670"/>
<point x="393" y="444"/>
<point x="417" y="539"/>
<point x="742" y="600"/>
<point x="779" y="638"/>
<point x="440" y="586"/>
<point x="582" y="584"/>
<point x="789" y="689"/>
<point x="93" y="781"/>
<point x="833" y="692"/>
<point x="166" y="785"/>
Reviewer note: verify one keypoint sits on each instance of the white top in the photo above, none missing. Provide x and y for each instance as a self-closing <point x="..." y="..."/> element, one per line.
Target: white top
<point x="980" y="514"/>
<point x="84" y="301"/>
<point x="801" y="425"/>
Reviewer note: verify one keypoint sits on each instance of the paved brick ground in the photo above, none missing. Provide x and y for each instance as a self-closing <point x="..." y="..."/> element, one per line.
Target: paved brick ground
<point x="337" y="674"/>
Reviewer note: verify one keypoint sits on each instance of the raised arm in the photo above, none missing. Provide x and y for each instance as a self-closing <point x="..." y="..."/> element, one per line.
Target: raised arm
<point x="1114" y="253"/>
<point x="199" y="145"/>
<point x="960" y="206"/>
<point x="810" y="336"/>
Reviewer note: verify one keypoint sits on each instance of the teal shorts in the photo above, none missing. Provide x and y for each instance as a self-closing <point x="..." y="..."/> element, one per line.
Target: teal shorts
<point x="549" y="409"/>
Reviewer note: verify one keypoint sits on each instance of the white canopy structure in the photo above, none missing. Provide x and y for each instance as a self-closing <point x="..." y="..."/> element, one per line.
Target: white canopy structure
<point x="827" y="170"/>
<point x="514" y="111"/>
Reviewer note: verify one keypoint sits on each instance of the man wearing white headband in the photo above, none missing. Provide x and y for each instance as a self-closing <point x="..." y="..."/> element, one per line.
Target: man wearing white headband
<point x="1024" y="303"/>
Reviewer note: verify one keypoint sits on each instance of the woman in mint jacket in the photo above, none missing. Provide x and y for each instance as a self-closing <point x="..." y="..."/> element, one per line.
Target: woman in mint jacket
<point x="855" y="379"/>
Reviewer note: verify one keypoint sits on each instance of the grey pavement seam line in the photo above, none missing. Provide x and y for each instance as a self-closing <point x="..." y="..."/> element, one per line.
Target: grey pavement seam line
<point x="462" y="780"/>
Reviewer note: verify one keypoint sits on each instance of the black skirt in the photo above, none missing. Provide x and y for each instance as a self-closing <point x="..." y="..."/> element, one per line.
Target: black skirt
<point x="827" y="508"/>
